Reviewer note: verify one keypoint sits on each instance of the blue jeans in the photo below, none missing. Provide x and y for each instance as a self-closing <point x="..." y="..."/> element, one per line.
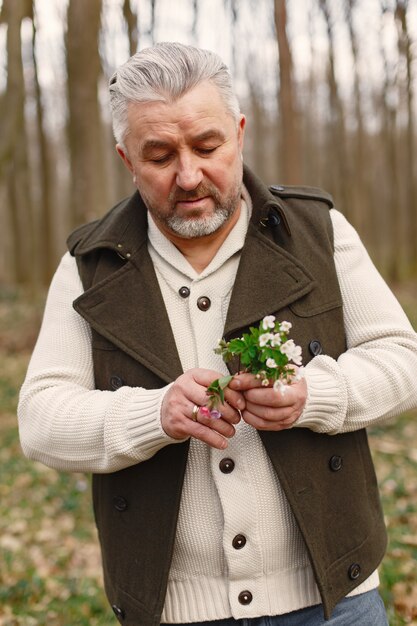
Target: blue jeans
<point x="365" y="609"/>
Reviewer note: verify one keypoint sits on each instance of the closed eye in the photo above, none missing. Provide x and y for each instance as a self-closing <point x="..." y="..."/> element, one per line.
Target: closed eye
<point x="161" y="159"/>
<point x="206" y="150"/>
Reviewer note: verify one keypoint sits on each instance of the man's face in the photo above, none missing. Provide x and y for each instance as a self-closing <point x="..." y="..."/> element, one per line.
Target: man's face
<point x="185" y="158"/>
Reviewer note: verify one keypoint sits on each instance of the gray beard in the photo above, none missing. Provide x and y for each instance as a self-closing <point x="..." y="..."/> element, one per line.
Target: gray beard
<point x="191" y="227"/>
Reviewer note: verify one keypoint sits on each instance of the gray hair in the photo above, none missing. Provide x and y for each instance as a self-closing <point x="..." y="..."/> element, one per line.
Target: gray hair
<point x="165" y="72"/>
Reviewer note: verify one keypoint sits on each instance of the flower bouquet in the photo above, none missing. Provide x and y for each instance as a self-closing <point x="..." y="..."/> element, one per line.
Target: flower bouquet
<point x="265" y="352"/>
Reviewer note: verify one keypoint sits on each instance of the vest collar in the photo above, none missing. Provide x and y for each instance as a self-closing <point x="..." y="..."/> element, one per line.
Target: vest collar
<point x="127" y="306"/>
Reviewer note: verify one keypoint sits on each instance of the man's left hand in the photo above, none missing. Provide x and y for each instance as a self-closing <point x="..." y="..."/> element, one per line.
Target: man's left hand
<point x="267" y="408"/>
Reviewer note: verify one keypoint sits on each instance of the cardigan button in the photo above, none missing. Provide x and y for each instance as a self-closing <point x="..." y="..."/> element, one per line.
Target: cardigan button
<point x="354" y="571"/>
<point x="315" y="347"/>
<point x="227" y="466"/>
<point x="116" y="382"/>
<point x="120" y="503"/>
<point x="184" y="292"/>
<point x="204" y="303"/>
<point x="239" y="542"/>
<point x="119" y="613"/>
<point x="336" y="463"/>
<point x="245" y="597"/>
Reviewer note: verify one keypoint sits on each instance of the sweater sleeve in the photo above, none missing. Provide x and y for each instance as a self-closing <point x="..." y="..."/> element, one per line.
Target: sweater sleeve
<point x="375" y="378"/>
<point x="64" y="421"/>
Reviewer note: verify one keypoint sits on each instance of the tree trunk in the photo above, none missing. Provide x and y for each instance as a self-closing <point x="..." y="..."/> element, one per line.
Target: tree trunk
<point x="337" y="135"/>
<point x="290" y="158"/>
<point x="360" y="195"/>
<point x="45" y="231"/>
<point x="85" y="129"/>
<point x="132" y="27"/>
<point x="14" y="171"/>
<point x="405" y="49"/>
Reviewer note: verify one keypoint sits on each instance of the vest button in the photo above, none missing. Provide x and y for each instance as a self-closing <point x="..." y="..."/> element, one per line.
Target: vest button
<point x="245" y="597"/>
<point x="184" y="292"/>
<point x="116" y="382"/>
<point x="354" y="571"/>
<point x="204" y="303"/>
<point x="315" y="347"/>
<point x="227" y="466"/>
<point x="239" y="542"/>
<point x="120" y="503"/>
<point x="119" y="613"/>
<point x="336" y="463"/>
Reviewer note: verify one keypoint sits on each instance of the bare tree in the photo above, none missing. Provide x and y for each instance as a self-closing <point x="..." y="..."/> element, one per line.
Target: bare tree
<point x="195" y="19"/>
<point x="153" y="20"/>
<point x="45" y="249"/>
<point x="336" y="127"/>
<point x="85" y="131"/>
<point x="290" y="158"/>
<point x="359" y="191"/>
<point x="131" y="20"/>
<point x="406" y="89"/>
<point x="14" y="161"/>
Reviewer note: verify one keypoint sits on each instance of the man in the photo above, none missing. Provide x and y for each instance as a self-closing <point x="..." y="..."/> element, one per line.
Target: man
<point x="269" y="515"/>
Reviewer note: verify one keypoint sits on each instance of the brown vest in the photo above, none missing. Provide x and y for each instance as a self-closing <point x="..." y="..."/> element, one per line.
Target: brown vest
<point x="286" y="269"/>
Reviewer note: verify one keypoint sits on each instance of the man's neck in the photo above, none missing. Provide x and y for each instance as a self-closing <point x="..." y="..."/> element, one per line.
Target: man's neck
<point x="200" y="251"/>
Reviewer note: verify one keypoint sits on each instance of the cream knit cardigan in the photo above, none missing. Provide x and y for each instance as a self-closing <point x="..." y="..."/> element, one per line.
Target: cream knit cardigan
<point x="67" y="424"/>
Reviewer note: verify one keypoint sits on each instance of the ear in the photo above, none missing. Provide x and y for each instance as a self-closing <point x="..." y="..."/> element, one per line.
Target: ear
<point x="241" y="131"/>
<point x="121" y="151"/>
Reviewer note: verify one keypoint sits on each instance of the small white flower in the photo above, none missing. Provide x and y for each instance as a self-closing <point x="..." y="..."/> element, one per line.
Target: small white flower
<point x="268" y="322"/>
<point x="265" y="338"/>
<point x="292" y="351"/>
<point x="299" y="375"/>
<point x="271" y="363"/>
<point x="265" y="382"/>
<point x="285" y="326"/>
<point x="276" y="340"/>
<point x="280" y="386"/>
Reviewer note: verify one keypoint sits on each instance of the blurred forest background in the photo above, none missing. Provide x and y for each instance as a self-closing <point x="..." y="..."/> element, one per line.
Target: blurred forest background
<point x="329" y="90"/>
<point x="328" y="86"/>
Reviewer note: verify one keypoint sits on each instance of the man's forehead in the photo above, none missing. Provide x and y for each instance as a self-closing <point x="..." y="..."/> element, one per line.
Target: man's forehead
<point x="202" y="103"/>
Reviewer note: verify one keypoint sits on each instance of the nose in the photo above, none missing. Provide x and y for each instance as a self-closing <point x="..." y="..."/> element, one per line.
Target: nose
<point x="189" y="174"/>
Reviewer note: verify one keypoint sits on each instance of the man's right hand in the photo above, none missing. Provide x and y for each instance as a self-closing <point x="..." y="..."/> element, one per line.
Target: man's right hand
<point x="189" y="390"/>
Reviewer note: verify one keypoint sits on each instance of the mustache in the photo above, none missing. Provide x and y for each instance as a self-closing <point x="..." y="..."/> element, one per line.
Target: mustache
<point x="203" y="189"/>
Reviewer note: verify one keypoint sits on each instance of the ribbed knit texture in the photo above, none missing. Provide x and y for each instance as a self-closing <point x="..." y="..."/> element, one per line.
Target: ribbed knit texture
<point x="67" y="424"/>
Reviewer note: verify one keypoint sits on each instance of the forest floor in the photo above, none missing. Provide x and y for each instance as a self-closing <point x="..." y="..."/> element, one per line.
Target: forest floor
<point x="50" y="572"/>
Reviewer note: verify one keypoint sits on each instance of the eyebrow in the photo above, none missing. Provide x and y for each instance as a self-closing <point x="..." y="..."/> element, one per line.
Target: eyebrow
<point x="157" y="144"/>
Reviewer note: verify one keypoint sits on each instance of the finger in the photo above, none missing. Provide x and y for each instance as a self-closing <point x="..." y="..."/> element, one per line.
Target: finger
<point x="268" y="397"/>
<point x="269" y="413"/>
<point x="235" y="399"/>
<point x="295" y="393"/>
<point x="219" y="425"/>
<point x="243" y="382"/>
<point x="207" y="435"/>
<point x="229" y="413"/>
<point x="181" y="424"/>
<point x="261" y="423"/>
